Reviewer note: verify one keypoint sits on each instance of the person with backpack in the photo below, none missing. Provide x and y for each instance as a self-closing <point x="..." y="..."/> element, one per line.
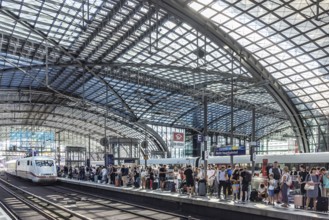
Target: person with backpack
<point x="286" y="182"/>
<point x="245" y="179"/>
<point x="277" y="176"/>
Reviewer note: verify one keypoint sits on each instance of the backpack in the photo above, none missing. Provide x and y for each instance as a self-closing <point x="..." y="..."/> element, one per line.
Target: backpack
<point x="253" y="195"/>
<point x="229" y="172"/>
<point x="247" y="177"/>
<point x="276" y="173"/>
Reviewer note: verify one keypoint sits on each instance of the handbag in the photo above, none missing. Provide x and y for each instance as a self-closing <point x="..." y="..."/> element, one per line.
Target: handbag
<point x="308" y="186"/>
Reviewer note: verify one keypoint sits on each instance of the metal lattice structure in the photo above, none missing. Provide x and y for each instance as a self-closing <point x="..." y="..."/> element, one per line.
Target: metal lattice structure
<point x="70" y="64"/>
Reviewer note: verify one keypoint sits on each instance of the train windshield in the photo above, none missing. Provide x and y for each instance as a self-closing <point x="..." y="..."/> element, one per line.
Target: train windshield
<point x="44" y="163"/>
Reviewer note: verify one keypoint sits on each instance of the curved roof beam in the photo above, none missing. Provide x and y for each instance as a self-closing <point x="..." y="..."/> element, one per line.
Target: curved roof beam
<point x="139" y="127"/>
<point x="61" y="95"/>
<point x="47" y="126"/>
<point x="280" y="122"/>
<point x="257" y="117"/>
<point x="217" y="35"/>
<point x="273" y="132"/>
<point x="243" y="79"/>
<point x="69" y="117"/>
<point x="221" y="117"/>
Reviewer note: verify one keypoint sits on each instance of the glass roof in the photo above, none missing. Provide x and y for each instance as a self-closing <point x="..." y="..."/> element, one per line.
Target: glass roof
<point x="289" y="39"/>
<point x="145" y="65"/>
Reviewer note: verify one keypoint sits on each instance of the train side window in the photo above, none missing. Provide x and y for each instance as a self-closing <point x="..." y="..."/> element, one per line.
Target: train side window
<point x="28" y="162"/>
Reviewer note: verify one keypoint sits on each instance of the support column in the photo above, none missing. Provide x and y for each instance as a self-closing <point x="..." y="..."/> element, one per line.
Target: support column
<point x="205" y="132"/>
<point x="196" y="145"/>
<point x="59" y="149"/>
<point x="232" y="113"/>
<point x="327" y="133"/>
<point x="89" y="154"/>
<point x="318" y="149"/>
<point x="253" y="131"/>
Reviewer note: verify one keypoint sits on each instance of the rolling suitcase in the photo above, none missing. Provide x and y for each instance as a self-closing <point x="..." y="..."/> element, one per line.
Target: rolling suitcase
<point x="136" y="184"/>
<point x="173" y="187"/>
<point x="147" y="183"/>
<point x="155" y="185"/>
<point x="167" y="186"/>
<point x="117" y="182"/>
<point x="202" y="190"/>
<point x="322" y="204"/>
<point x="254" y="195"/>
<point x="299" y="201"/>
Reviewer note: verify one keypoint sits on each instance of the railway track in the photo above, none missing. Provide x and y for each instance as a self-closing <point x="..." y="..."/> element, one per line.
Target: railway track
<point x="10" y="214"/>
<point x="138" y="210"/>
<point x="66" y="203"/>
<point x="46" y="208"/>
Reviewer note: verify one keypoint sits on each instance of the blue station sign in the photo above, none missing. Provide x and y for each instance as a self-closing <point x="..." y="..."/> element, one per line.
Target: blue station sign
<point x="230" y="150"/>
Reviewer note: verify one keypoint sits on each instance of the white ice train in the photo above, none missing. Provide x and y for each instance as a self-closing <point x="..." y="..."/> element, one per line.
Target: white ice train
<point x="38" y="169"/>
<point x="290" y="160"/>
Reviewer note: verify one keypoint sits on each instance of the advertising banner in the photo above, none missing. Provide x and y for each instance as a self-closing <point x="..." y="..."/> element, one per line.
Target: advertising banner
<point x="230" y="150"/>
<point x="109" y="159"/>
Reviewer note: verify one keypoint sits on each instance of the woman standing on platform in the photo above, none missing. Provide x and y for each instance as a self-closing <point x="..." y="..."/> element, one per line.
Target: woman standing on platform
<point x="313" y="180"/>
<point x="143" y="176"/>
<point x="284" y="187"/>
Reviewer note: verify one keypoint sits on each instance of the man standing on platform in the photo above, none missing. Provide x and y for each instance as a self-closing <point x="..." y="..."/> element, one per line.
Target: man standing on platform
<point x="245" y="179"/>
<point x="124" y="174"/>
<point x="222" y="178"/>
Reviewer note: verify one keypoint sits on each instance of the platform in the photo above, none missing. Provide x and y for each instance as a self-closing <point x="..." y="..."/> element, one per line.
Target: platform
<point x="3" y="214"/>
<point x="197" y="205"/>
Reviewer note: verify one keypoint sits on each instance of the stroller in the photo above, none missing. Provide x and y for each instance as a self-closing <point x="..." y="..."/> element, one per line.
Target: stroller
<point x="183" y="187"/>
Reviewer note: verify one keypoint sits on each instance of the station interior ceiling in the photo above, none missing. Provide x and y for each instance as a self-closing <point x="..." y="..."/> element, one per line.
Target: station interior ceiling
<point x="112" y="67"/>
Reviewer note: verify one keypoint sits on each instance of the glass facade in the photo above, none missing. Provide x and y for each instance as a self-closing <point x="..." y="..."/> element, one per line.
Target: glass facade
<point x="176" y="148"/>
<point x="16" y="142"/>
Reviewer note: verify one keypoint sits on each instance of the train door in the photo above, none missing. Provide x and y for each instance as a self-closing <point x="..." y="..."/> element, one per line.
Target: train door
<point x="29" y="169"/>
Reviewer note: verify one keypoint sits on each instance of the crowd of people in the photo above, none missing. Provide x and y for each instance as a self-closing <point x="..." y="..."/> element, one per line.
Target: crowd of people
<point x="280" y="182"/>
<point x="223" y="182"/>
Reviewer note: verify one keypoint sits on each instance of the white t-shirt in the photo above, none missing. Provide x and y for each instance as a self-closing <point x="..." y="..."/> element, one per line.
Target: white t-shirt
<point x="210" y="173"/>
<point x="221" y="175"/>
<point x="272" y="184"/>
<point x="104" y="172"/>
<point x="200" y="174"/>
<point x="144" y="173"/>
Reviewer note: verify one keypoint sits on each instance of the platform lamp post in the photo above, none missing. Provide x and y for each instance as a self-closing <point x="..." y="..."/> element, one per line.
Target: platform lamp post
<point x="253" y="145"/>
<point x="205" y="133"/>
<point x="144" y="145"/>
